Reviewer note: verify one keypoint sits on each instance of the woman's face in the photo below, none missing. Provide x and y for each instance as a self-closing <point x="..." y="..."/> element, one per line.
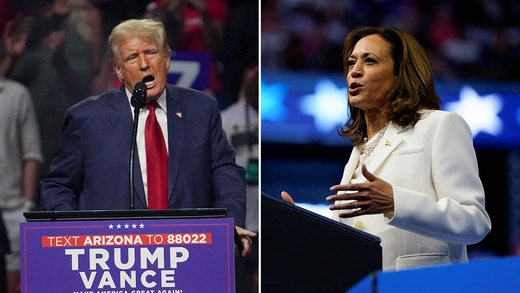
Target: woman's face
<point x="370" y="76"/>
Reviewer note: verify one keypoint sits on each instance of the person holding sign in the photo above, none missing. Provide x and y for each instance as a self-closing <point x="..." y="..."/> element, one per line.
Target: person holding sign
<point x="183" y="158"/>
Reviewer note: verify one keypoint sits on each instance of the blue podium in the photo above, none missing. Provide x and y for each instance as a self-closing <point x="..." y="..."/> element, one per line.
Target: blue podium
<point x="501" y="274"/>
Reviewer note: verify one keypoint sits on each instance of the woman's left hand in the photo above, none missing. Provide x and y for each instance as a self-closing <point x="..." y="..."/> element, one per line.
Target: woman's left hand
<point x="375" y="196"/>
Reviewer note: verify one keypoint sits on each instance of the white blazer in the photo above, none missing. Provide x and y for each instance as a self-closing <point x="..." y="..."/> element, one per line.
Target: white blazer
<point x="438" y="195"/>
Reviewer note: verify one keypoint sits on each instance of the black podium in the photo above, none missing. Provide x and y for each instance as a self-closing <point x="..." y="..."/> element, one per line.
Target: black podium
<point x="302" y="251"/>
<point x="83" y="215"/>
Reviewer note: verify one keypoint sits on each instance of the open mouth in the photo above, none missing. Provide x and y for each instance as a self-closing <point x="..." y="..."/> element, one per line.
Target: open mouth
<point x="149" y="80"/>
<point x="353" y="85"/>
<point x="354" y="88"/>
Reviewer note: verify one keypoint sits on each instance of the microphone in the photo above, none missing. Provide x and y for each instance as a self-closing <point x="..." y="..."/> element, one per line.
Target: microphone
<point x="138" y="101"/>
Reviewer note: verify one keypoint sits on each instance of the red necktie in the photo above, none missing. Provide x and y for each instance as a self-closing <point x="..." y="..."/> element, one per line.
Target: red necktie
<point x="156" y="161"/>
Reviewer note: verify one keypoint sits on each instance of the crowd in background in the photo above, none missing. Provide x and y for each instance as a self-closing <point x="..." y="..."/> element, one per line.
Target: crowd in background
<point x="465" y="39"/>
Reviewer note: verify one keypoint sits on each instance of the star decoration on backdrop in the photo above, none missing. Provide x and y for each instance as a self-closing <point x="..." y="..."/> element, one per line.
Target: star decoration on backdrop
<point x="480" y="112"/>
<point x="328" y="105"/>
<point x="272" y="106"/>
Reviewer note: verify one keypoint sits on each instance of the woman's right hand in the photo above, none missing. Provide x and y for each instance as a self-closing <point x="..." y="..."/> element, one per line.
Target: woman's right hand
<point x="287" y="198"/>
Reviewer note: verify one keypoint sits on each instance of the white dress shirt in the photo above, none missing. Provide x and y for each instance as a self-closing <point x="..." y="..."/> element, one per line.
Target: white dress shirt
<point x="160" y="113"/>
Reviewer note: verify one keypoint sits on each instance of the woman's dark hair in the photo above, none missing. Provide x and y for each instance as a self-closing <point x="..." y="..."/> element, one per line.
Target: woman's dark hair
<point x="414" y="90"/>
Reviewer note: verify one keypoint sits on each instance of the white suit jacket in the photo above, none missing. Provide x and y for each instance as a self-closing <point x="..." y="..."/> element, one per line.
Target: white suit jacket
<point x="438" y="195"/>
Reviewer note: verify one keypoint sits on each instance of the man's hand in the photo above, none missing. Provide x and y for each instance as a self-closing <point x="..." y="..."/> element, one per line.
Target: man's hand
<point x="244" y="236"/>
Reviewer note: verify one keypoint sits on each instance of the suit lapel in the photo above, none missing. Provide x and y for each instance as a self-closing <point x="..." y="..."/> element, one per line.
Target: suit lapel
<point x="387" y="145"/>
<point x="351" y="165"/>
<point x="122" y="124"/>
<point x="176" y="132"/>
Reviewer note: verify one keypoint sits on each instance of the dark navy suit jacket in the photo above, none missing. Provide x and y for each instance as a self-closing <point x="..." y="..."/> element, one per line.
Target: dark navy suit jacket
<point x="90" y="169"/>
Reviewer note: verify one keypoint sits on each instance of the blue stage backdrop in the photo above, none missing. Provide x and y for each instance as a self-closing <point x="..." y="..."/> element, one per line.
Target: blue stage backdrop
<point x="307" y="107"/>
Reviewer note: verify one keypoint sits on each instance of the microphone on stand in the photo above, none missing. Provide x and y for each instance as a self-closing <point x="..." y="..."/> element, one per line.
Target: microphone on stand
<point x="138" y="101"/>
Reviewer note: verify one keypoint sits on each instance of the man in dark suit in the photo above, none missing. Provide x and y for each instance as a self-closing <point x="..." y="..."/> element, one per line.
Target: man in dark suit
<point x="91" y="165"/>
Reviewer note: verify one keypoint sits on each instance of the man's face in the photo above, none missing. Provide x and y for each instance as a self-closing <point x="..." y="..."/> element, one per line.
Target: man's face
<point x="142" y="59"/>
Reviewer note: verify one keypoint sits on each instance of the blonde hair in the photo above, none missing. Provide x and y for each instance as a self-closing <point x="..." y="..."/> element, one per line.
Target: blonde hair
<point x="144" y="28"/>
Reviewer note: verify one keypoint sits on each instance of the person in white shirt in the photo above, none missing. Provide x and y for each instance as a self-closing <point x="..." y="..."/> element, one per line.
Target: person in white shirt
<point x="20" y="160"/>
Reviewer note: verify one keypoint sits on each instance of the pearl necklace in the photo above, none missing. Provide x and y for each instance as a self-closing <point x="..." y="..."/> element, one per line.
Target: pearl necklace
<point x="367" y="149"/>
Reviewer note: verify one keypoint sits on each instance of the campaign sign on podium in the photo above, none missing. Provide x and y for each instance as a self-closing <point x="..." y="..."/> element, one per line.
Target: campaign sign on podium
<point x="128" y="256"/>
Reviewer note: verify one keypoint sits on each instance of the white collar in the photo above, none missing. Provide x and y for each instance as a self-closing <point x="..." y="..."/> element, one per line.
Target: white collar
<point x="161" y="101"/>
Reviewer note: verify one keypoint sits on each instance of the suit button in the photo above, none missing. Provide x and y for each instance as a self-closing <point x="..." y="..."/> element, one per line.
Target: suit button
<point x="358" y="225"/>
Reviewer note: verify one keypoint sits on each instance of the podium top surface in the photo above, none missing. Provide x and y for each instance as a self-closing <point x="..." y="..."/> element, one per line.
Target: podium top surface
<point x="317" y="218"/>
<point x="82" y="215"/>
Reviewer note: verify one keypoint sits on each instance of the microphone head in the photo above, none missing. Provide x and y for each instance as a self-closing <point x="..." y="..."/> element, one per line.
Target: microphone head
<point x="138" y="99"/>
<point x="140" y="86"/>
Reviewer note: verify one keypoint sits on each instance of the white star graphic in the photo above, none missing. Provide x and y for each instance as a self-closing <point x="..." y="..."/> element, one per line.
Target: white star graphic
<point x="328" y="105"/>
<point x="126" y="226"/>
<point x="110" y="226"/>
<point x="134" y="226"/>
<point x="141" y="226"/>
<point x="118" y="226"/>
<point x="480" y="112"/>
<point x="272" y="102"/>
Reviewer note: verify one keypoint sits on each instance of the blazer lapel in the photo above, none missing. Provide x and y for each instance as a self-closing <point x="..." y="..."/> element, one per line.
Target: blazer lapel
<point x="390" y="141"/>
<point x="176" y="132"/>
<point x="122" y="124"/>
<point x="351" y="165"/>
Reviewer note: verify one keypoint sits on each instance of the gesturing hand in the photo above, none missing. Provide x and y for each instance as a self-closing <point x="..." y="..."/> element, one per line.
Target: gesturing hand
<point x="375" y="196"/>
<point x="14" y="41"/>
